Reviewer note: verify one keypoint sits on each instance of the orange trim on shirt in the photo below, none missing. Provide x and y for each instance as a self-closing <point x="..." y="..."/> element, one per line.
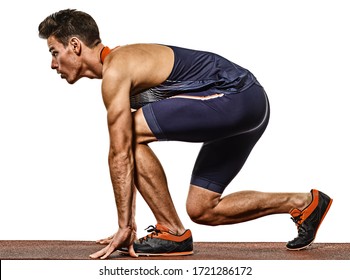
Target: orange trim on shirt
<point x="104" y="52"/>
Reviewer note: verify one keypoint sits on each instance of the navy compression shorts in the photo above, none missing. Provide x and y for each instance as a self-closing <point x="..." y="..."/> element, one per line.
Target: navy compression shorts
<point x="228" y="124"/>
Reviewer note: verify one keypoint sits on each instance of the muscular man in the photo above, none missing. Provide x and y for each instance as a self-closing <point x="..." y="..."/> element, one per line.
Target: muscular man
<point x="155" y="92"/>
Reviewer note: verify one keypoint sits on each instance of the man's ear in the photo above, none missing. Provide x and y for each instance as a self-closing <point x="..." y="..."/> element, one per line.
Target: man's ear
<point x="75" y="44"/>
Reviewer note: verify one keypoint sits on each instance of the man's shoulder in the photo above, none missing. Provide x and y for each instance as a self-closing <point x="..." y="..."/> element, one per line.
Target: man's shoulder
<point x="135" y="53"/>
<point x="141" y="48"/>
<point x="140" y="65"/>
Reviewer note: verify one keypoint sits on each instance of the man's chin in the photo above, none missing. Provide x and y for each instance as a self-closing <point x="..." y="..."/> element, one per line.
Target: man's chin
<point x="71" y="81"/>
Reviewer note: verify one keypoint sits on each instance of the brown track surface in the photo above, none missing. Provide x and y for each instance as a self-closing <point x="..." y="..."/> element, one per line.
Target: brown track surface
<point x="80" y="250"/>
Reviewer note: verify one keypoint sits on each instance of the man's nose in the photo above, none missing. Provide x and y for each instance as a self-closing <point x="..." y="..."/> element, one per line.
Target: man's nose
<point x="54" y="64"/>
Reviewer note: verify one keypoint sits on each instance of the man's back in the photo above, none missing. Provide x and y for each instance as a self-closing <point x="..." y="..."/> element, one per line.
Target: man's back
<point x="159" y="72"/>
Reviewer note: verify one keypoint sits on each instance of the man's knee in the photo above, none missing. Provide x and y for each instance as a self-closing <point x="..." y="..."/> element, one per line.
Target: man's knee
<point x="201" y="215"/>
<point x="201" y="211"/>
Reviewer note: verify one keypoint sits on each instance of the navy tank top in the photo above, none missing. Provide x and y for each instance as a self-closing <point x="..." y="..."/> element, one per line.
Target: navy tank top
<point x="197" y="73"/>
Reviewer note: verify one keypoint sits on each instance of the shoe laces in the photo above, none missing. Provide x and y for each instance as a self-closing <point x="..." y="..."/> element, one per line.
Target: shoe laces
<point x="154" y="231"/>
<point x="297" y="220"/>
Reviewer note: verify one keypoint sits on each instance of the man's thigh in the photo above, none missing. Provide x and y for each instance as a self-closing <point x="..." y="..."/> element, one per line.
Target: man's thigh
<point x="187" y="119"/>
<point x="218" y="162"/>
<point x="142" y="132"/>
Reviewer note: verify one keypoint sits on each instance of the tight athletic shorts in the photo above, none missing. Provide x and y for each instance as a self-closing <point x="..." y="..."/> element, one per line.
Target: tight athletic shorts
<point x="228" y="124"/>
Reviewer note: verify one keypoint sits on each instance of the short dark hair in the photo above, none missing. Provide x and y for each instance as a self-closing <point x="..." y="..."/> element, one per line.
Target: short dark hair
<point x="68" y="23"/>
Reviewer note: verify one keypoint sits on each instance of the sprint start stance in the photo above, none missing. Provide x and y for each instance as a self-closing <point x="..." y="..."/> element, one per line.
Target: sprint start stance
<point x="155" y="92"/>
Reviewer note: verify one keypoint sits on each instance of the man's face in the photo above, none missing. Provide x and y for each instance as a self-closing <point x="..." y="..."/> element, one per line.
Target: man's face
<point x="65" y="60"/>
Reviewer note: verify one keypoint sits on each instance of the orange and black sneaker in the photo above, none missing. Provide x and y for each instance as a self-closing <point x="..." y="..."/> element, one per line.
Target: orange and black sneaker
<point x="160" y="242"/>
<point x="309" y="220"/>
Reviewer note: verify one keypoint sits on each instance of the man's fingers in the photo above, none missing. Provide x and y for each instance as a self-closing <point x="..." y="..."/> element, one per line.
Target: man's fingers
<point x="110" y="250"/>
<point x="105" y="240"/>
<point x="104" y="253"/>
<point x="99" y="253"/>
<point x="123" y="236"/>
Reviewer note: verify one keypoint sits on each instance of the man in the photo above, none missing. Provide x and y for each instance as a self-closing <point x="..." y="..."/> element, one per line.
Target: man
<point x="156" y="92"/>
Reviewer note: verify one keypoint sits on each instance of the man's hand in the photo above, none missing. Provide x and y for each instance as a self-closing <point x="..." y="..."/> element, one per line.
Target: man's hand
<point x="123" y="238"/>
<point x="105" y="241"/>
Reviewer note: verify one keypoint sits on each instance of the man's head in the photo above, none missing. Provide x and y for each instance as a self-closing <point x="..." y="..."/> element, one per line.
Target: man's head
<point x="69" y="33"/>
<point x="70" y="23"/>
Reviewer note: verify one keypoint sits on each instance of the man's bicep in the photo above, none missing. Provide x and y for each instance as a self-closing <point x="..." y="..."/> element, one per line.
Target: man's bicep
<point x="116" y="88"/>
<point x="119" y="119"/>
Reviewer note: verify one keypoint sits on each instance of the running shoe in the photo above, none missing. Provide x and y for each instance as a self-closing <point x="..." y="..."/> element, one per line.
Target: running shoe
<point x="309" y="220"/>
<point x="160" y="242"/>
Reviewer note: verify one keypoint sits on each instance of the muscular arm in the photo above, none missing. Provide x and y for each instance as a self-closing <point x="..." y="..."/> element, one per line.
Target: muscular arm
<point x="121" y="159"/>
<point x="116" y="91"/>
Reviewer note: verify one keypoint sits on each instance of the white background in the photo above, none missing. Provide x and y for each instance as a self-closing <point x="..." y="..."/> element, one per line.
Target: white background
<point x="54" y="178"/>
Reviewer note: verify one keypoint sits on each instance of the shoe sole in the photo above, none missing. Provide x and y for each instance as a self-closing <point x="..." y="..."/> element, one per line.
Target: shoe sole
<point x="324" y="215"/>
<point x="301" y="248"/>
<point x="171" y="254"/>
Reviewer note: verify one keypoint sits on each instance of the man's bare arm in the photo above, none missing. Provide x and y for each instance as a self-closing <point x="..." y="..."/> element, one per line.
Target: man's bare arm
<point x="116" y="92"/>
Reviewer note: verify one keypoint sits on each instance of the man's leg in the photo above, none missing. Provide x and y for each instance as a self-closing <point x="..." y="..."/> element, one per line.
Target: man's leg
<point x="151" y="180"/>
<point x="208" y="207"/>
<point x="168" y="237"/>
<point x="218" y="163"/>
<point x="307" y="210"/>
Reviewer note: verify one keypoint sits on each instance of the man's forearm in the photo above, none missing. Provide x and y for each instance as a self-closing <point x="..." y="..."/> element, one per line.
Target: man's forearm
<point x="122" y="176"/>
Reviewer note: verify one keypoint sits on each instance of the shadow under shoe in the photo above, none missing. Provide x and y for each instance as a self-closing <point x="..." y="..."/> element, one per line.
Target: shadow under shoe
<point x="309" y="220"/>
<point x="160" y="242"/>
